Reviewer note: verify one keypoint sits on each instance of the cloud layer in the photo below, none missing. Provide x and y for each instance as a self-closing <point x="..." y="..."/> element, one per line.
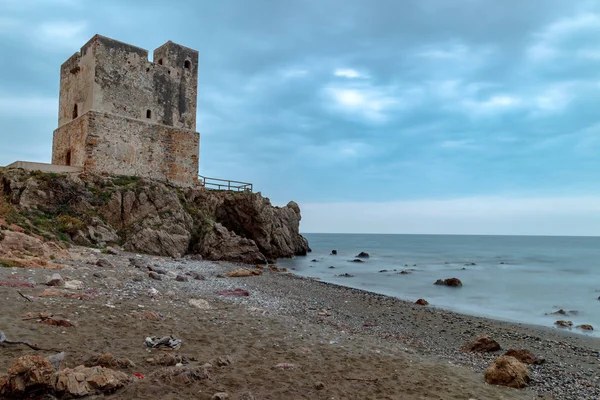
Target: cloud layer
<point x="332" y="101"/>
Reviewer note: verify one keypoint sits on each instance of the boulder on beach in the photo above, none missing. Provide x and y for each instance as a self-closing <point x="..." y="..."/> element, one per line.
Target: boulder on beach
<point x="362" y="254"/>
<point x="453" y="282"/>
<point x="585" y="327"/>
<point x="422" y="302"/>
<point x="525" y="356"/>
<point x="483" y="344"/>
<point x="563" y="323"/>
<point x="507" y="371"/>
<point x="29" y="374"/>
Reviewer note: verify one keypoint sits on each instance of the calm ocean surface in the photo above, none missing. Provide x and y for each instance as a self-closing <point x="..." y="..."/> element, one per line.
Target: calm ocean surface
<point x="516" y="278"/>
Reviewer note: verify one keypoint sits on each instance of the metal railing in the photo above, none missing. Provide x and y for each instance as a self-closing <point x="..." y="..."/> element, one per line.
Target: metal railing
<point x="225" y="184"/>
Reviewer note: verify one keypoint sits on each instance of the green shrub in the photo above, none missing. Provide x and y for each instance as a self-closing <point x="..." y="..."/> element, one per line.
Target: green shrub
<point x="69" y="224"/>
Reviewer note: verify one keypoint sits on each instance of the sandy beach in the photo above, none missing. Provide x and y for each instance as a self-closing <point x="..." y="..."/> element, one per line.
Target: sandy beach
<point x="289" y="338"/>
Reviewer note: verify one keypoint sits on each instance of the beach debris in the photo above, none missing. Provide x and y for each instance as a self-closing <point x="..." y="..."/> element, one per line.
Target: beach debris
<point x="107" y="360"/>
<point x="223" y="361"/>
<point x="483" y="344"/>
<point x="357" y="260"/>
<point x="181" y="278"/>
<point x="200" y="304"/>
<point x="422" y="302"/>
<point x="334" y="252"/>
<point x="233" y="292"/>
<point x="149" y="315"/>
<point x="243" y="273"/>
<point x="563" y="324"/>
<point x="507" y="371"/>
<point x="55" y="280"/>
<point x="73" y="285"/>
<point x="139" y="375"/>
<point x="285" y="366"/>
<point x="525" y="356"/>
<point x="83" y="381"/>
<point x="29" y="374"/>
<point x="179" y="376"/>
<point x="220" y="396"/>
<point x="362" y="254"/>
<point x="162" y="342"/>
<point x="346" y="275"/>
<point x="453" y="282"/>
<point x="585" y="327"/>
<point x="57" y="360"/>
<point x="167" y="359"/>
<point x="104" y="263"/>
<point x="4" y="340"/>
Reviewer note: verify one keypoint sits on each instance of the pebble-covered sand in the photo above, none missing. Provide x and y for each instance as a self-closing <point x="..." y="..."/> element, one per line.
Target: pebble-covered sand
<point x="314" y="315"/>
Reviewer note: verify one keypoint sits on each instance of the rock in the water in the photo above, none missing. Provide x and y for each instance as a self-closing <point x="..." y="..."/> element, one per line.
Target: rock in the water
<point x="586" y="327"/>
<point x="334" y="252"/>
<point x="29" y="374"/>
<point x="362" y="254"/>
<point x="55" y="280"/>
<point x="346" y="275"/>
<point x="563" y="323"/>
<point x="507" y="371"/>
<point x="525" y="356"/>
<point x="357" y="260"/>
<point x="404" y="272"/>
<point x="422" y="302"/>
<point x="483" y="344"/>
<point x="453" y="282"/>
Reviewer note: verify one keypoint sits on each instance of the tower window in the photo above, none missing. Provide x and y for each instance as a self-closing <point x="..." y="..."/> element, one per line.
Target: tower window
<point x="75" y="113"/>
<point x="68" y="158"/>
<point x="148" y="114"/>
<point x="187" y="64"/>
<point x="160" y="61"/>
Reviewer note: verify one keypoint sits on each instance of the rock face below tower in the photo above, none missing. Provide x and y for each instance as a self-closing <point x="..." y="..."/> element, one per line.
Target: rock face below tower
<point x="121" y="114"/>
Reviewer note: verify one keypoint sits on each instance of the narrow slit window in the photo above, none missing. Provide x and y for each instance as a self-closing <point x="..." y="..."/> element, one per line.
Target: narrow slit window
<point x="187" y="64"/>
<point x="68" y="158"/>
<point x="148" y="114"/>
<point x="75" y="113"/>
<point x="160" y="62"/>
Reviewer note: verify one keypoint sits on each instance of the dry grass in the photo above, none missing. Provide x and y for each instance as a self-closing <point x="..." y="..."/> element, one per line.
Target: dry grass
<point x="5" y="207"/>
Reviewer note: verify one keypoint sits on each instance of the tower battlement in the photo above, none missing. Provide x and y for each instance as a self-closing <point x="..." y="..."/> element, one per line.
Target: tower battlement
<point x="114" y="82"/>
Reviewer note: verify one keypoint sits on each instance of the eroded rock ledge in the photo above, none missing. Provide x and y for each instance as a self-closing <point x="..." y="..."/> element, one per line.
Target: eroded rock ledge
<point x="150" y="217"/>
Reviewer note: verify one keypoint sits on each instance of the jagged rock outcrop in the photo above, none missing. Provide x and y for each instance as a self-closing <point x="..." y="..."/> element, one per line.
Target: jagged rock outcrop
<point x="151" y="217"/>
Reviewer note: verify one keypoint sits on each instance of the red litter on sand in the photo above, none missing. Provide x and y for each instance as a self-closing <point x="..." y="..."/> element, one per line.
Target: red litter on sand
<point x="139" y="376"/>
<point x="234" y="292"/>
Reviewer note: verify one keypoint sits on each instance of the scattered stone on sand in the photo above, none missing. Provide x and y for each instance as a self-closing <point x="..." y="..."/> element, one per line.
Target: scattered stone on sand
<point x="107" y="360"/>
<point x="223" y="361"/>
<point x="57" y="322"/>
<point x="346" y="275"/>
<point x="158" y="270"/>
<point x="167" y="359"/>
<point x="285" y="366"/>
<point x="362" y="254"/>
<point x="52" y="292"/>
<point x="586" y="327"/>
<point x="28" y="375"/>
<point x="55" y="280"/>
<point x="181" y="278"/>
<point x="422" y="302"/>
<point x="525" y="356"/>
<point x="357" y="260"/>
<point x="507" y="371"/>
<point x="242" y="273"/>
<point x="104" y="263"/>
<point x="195" y="275"/>
<point x="334" y="252"/>
<point x="453" y="282"/>
<point x="154" y="275"/>
<point x="563" y="324"/>
<point x="234" y="292"/>
<point x="200" y="304"/>
<point x="483" y="344"/>
<point x="83" y="381"/>
<point x="319" y="386"/>
<point x="73" y="285"/>
<point x="179" y="376"/>
<point x="220" y="396"/>
<point x="16" y="284"/>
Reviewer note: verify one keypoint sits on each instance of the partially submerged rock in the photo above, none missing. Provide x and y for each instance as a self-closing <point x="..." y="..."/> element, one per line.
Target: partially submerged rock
<point x="422" y="302"/>
<point x="362" y="254"/>
<point x="483" y="344"/>
<point x="563" y="324"/>
<point x="453" y="282"/>
<point x="586" y="327"/>
<point x="507" y="371"/>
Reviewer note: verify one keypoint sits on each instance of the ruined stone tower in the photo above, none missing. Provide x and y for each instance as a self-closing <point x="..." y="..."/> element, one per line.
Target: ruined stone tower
<point x="124" y="115"/>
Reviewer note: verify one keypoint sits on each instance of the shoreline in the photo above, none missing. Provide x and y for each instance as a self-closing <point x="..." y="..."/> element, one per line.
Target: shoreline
<point x="332" y="332"/>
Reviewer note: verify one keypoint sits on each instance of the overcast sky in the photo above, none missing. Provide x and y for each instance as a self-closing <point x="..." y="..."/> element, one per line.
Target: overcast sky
<point x="397" y="116"/>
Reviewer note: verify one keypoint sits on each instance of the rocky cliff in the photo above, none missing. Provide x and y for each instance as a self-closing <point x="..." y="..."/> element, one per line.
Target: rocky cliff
<point x="150" y="217"/>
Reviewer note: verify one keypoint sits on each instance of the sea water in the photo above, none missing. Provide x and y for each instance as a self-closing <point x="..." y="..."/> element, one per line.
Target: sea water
<point x="513" y="278"/>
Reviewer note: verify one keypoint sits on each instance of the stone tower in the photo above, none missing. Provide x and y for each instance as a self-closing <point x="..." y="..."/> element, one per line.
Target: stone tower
<point x="124" y="115"/>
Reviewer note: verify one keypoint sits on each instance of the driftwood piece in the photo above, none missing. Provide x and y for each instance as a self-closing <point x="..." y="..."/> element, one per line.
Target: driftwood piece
<point x="25" y="297"/>
<point x="4" y="340"/>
